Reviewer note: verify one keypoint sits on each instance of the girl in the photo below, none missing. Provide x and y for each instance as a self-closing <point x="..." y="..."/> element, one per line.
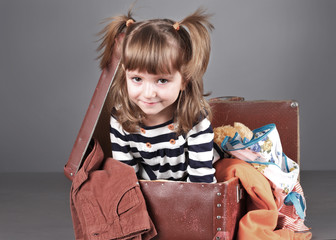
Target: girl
<point x="160" y="121"/>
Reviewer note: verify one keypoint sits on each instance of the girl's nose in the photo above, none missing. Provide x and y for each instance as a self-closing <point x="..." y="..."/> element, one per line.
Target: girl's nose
<point x="149" y="90"/>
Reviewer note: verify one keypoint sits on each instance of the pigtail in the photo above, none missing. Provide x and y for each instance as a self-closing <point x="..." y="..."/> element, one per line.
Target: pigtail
<point x="112" y="34"/>
<point x="192" y="105"/>
<point x="198" y="26"/>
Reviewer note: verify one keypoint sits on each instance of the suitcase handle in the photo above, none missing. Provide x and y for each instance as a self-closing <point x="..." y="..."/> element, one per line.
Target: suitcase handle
<point x="228" y="98"/>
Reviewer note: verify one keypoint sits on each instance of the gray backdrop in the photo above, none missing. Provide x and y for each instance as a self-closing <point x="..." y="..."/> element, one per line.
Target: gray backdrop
<point x="262" y="49"/>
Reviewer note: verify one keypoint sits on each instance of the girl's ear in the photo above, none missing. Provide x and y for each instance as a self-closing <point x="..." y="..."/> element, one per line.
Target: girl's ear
<point x="184" y="84"/>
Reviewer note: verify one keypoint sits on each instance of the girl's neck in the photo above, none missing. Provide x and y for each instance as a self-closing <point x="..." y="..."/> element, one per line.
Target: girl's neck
<point x="162" y="117"/>
<point x="155" y="122"/>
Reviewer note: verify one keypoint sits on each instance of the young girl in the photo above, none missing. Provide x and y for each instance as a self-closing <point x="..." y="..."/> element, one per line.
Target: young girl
<point x="160" y="121"/>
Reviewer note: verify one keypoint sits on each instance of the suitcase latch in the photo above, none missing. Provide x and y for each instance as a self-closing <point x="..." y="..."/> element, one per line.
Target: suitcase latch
<point x="239" y="193"/>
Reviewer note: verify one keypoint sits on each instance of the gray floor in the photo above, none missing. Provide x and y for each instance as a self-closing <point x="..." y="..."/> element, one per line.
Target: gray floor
<point x="36" y="206"/>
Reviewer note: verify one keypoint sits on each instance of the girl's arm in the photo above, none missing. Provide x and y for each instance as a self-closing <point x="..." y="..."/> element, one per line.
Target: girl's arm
<point x="121" y="149"/>
<point x="201" y="153"/>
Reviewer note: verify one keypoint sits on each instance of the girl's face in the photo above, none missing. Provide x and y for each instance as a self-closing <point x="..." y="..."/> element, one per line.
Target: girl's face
<point x="154" y="94"/>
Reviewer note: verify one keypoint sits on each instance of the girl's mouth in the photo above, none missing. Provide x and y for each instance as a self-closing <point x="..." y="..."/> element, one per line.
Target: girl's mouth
<point x="149" y="103"/>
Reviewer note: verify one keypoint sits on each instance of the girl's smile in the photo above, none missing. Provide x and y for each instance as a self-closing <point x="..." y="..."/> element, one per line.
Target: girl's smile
<point x="155" y="94"/>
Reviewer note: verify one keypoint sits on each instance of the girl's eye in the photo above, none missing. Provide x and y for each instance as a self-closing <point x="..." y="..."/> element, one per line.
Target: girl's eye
<point x="162" y="81"/>
<point x="136" y="79"/>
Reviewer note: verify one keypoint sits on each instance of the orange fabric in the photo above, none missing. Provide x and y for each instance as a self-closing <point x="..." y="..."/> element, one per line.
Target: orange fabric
<point x="261" y="219"/>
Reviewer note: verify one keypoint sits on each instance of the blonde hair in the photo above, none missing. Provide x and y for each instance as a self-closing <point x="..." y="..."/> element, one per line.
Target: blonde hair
<point x="158" y="46"/>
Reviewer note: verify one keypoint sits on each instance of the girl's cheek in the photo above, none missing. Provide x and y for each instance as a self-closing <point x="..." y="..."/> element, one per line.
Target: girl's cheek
<point x="133" y="91"/>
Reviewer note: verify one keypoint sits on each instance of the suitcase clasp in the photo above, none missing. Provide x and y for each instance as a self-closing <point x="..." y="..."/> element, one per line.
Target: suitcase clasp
<point x="239" y="192"/>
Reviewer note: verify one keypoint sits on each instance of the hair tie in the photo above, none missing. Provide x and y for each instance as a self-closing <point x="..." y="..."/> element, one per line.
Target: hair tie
<point x="176" y="26"/>
<point x="129" y="22"/>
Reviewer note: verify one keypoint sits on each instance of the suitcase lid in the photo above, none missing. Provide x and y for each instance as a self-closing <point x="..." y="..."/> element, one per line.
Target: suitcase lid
<point x="95" y="123"/>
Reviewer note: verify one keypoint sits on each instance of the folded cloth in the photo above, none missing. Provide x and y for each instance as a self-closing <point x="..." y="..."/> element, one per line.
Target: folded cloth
<point x="106" y="202"/>
<point x="262" y="217"/>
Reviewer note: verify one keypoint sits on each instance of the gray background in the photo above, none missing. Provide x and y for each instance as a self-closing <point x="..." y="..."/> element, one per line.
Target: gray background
<point x="262" y="49"/>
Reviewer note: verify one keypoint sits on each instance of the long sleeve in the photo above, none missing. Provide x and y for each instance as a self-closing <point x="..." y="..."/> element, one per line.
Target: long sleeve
<point x="201" y="153"/>
<point x="121" y="149"/>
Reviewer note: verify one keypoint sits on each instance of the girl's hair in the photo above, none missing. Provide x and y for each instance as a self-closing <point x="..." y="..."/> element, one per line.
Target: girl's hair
<point x="160" y="46"/>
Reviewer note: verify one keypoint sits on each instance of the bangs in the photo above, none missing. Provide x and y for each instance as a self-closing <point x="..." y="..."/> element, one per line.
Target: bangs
<point x="152" y="51"/>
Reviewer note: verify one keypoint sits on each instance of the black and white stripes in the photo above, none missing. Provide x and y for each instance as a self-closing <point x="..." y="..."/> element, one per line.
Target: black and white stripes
<point x="158" y="153"/>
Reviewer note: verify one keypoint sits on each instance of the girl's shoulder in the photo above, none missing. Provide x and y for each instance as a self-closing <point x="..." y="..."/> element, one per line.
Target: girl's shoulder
<point x="201" y="126"/>
<point x="203" y="119"/>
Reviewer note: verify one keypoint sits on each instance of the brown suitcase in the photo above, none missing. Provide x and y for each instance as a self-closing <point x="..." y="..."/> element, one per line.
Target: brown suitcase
<point x="182" y="210"/>
<point x="254" y="114"/>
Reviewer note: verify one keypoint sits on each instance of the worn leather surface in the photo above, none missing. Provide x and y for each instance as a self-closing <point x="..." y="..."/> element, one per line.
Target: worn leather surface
<point x="197" y="211"/>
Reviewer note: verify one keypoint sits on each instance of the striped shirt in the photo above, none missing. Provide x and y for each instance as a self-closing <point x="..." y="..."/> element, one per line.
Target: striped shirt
<point x="158" y="153"/>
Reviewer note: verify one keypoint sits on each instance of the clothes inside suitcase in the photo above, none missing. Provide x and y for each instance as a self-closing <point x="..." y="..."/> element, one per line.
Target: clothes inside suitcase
<point x="192" y="210"/>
